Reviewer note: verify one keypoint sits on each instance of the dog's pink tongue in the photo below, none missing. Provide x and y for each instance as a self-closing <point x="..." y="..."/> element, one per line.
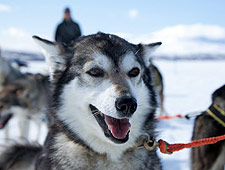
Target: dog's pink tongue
<point x="118" y="127"/>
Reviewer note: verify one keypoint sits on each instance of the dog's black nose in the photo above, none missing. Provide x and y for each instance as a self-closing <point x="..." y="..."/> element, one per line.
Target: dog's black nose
<point x="126" y="105"/>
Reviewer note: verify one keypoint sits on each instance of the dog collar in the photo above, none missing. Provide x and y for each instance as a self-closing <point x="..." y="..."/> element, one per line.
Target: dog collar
<point x="149" y="144"/>
<point x="217" y="113"/>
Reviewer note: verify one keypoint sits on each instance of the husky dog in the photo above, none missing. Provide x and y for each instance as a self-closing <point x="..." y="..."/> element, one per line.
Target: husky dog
<point x="103" y="102"/>
<point x="159" y="87"/>
<point x="210" y="157"/>
<point x="27" y="101"/>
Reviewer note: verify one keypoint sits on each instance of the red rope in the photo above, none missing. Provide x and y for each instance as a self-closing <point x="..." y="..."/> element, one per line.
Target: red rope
<point x="169" y="117"/>
<point x="170" y="148"/>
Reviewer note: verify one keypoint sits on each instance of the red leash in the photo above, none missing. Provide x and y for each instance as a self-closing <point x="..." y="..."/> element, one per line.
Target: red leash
<point x="169" y="117"/>
<point x="167" y="148"/>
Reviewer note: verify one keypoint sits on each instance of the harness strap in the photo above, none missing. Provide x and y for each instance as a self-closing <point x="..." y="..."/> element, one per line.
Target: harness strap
<point x="217" y="113"/>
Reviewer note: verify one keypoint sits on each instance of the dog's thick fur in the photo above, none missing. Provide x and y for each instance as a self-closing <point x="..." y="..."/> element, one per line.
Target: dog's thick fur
<point x="209" y="157"/>
<point x="100" y="77"/>
<point x="25" y="99"/>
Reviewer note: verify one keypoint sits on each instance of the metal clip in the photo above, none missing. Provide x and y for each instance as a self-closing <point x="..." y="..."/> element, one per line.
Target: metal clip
<point x="150" y="144"/>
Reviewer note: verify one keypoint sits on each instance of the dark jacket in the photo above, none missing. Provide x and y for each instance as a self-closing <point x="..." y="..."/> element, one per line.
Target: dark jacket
<point x="67" y="32"/>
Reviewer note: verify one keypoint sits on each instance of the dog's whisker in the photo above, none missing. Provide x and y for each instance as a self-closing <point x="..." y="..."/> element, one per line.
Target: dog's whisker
<point x="93" y="115"/>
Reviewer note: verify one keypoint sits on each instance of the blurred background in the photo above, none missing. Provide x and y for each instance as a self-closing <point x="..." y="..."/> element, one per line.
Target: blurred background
<point x="191" y="58"/>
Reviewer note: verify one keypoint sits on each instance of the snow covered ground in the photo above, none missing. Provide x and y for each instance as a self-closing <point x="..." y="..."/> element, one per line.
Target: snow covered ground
<point x="188" y="88"/>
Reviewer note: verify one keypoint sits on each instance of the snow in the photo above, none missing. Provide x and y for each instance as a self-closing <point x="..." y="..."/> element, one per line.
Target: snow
<point x="188" y="88"/>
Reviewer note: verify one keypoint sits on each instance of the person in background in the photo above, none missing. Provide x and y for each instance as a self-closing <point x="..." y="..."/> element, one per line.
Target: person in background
<point x="68" y="30"/>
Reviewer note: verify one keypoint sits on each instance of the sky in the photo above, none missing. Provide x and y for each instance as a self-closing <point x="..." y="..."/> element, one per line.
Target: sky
<point x="184" y="27"/>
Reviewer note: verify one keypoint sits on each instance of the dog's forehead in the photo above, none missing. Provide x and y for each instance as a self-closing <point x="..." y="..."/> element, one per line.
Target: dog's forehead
<point x="104" y="45"/>
<point x="126" y="61"/>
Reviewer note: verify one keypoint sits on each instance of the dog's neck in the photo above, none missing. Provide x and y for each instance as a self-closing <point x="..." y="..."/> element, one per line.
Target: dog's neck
<point x="65" y="149"/>
<point x="112" y="152"/>
<point x="65" y="154"/>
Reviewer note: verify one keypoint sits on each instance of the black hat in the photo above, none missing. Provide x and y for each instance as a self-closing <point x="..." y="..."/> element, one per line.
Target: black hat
<point x="67" y="10"/>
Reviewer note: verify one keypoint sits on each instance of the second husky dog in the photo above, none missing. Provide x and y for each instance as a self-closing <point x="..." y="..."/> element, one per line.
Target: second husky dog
<point x="103" y="102"/>
<point x="26" y="100"/>
<point x="210" y="123"/>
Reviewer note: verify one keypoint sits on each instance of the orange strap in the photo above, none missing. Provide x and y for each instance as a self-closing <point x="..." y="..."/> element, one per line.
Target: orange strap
<point x="170" y="148"/>
<point x="169" y="117"/>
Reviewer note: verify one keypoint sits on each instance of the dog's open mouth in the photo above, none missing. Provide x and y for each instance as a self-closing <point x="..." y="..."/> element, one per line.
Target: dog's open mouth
<point x="115" y="129"/>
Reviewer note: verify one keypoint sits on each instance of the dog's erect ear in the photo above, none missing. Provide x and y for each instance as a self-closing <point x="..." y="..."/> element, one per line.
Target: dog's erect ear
<point x="52" y="53"/>
<point x="147" y="50"/>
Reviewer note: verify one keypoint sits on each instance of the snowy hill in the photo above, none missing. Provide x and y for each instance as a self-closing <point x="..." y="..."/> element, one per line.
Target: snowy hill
<point x="22" y="55"/>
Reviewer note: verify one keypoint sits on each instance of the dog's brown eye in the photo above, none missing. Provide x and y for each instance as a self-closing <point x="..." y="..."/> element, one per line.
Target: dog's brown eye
<point x="134" y="72"/>
<point x="96" y="72"/>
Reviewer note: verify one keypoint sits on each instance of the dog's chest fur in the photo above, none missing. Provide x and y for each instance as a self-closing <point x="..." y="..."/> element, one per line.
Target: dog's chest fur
<point x="68" y="155"/>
